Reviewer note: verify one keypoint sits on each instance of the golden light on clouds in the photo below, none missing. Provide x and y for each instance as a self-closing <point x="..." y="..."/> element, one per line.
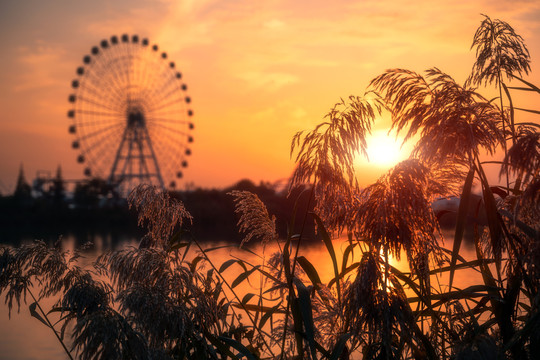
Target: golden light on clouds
<point x="257" y="72"/>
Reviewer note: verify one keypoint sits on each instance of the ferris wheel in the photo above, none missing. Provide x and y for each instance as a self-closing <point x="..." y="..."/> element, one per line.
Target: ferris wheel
<point x="130" y="114"/>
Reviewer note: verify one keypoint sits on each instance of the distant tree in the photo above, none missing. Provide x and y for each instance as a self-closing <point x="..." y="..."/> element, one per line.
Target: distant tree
<point x="87" y="193"/>
<point x="189" y="186"/>
<point x="245" y="185"/>
<point x="58" y="188"/>
<point x="22" y="189"/>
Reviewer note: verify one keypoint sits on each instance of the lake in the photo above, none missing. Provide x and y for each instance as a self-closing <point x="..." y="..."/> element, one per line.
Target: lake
<point x="24" y="338"/>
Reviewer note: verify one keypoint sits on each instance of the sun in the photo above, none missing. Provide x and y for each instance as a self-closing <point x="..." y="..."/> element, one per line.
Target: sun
<point x="384" y="150"/>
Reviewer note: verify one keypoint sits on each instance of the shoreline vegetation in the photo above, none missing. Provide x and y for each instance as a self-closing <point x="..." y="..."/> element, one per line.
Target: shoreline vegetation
<point x="48" y="216"/>
<point x="152" y="302"/>
<point x="212" y="210"/>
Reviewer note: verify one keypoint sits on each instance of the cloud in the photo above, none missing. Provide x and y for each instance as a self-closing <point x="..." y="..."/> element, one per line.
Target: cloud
<point x="267" y="81"/>
<point x="186" y="24"/>
<point x="280" y="110"/>
<point x="39" y="66"/>
<point x="274" y="24"/>
<point x="139" y="18"/>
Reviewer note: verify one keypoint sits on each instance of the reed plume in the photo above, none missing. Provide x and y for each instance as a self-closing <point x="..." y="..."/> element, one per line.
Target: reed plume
<point x="161" y="213"/>
<point x="500" y="51"/>
<point x="254" y="221"/>
<point x="454" y="123"/>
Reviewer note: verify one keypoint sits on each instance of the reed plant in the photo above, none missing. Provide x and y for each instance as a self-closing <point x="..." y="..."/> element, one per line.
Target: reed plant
<point x="157" y="301"/>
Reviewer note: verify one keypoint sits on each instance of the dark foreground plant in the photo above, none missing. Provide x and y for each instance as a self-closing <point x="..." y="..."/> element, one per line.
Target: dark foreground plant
<point x="162" y="301"/>
<point x="136" y="303"/>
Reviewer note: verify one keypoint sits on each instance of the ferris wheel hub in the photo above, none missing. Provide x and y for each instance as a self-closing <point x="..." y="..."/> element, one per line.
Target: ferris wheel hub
<point x="135" y="118"/>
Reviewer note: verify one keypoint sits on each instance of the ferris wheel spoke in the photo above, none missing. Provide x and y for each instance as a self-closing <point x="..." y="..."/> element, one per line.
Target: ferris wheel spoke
<point x="88" y="124"/>
<point x="166" y="128"/>
<point x="154" y="85"/>
<point x="175" y="130"/>
<point x="101" y="132"/>
<point x="99" y="123"/>
<point x="166" y="81"/>
<point x="167" y="140"/>
<point x="111" y="69"/>
<point x="170" y="166"/>
<point x="167" y="96"/>
<point x="117" y="84"/>
<point x="97" y="113"/>
<point x="105" y="75"/>
<point x="166" y="86"/>
<point x="127" y="68"/>
<point x="98" y="104"/>
<point x="175" y="112"/>
<point x="114" y="70"/>
<point x="102" y="137"/>
<point x="138" y="72"/>
<point x="91" y="89"/>
<point x="113" y="92"/>
<point x="165" y="144"/>
<point x="100" y="152"/>
<point x="98" y="156"/>
<point x="170" y="120"/>
<point x="103" y="80"/>
<point x="101" y="148"/>
<point x="172" y="102"/>
<point x="147" y="76"/>
<point x="99" y="94"/>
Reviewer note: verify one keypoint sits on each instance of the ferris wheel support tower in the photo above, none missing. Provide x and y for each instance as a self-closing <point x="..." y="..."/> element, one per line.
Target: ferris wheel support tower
<point x="135" y="160"/>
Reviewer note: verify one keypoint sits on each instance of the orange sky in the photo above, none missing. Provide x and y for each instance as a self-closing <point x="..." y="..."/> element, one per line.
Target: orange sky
<point x="257" y="71"/>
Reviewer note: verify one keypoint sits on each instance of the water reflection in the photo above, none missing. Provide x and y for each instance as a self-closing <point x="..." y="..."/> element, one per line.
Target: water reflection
<point x="25" y="338"/>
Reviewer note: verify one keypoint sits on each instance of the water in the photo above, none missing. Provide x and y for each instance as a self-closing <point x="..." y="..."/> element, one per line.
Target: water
<point x="24" y="338"/>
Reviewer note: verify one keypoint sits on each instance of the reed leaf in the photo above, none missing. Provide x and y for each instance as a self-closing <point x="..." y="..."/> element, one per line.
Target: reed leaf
<point x="467" y="293"/>
<point x="246" y="298"/>
<point x="532" y="324"/>
<point x="343" y="273"/>
<point x="529" y="231"/>
<point x="530" y="85"/>
<point x="269" y="313"/>
<point x="258" y="308"/>
<point x="304" y="304"/>
<point x="297" y="323"/>
<point x="464" y="265"/>
<point x="494" y="224"/>
<point x="310" y="271"/>
<point x="340" y="347"/>
<point x="243" y="276"/>
<point x="36" y="315"/>
<point x="238" y="346"/>
<point x="330" y="248"/>
<point x="227" y="264"/>
<point x="528" y="110"/>
<point x="460" y="224"/>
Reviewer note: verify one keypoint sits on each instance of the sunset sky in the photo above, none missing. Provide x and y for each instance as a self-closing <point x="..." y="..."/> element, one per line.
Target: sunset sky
<point x="257" y="71"/>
